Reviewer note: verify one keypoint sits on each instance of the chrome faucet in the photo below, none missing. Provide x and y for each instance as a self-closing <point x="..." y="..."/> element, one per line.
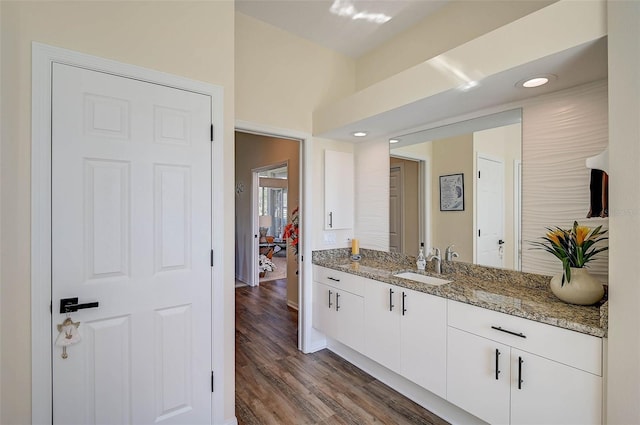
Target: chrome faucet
<point x="450" y="254"/>
<point x="437" y="260"/>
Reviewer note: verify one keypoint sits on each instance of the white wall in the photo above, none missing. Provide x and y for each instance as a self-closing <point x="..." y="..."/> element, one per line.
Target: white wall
<point x="280" y="80"/>
<point x="624" y="267"/>
<point x="149" y="34"/>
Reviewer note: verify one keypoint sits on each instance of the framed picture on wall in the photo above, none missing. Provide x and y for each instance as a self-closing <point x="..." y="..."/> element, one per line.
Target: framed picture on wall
<point x="452" y="192"/>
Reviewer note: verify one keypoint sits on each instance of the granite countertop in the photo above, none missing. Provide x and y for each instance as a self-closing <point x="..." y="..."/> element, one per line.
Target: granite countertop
<point x="519" y="294"/>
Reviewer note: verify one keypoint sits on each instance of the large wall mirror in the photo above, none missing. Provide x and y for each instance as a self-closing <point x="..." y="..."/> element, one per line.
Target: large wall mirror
<point x="483" y="156"/>
<point x="541" y="151"/>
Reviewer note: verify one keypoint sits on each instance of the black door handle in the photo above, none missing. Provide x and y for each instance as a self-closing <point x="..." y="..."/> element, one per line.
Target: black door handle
<point x="391" y="299"/>
<point x="69" y="305"/>
<point x="498" y="328"/>
<point x="500" y="242"/>
<point x="520" y="381"/>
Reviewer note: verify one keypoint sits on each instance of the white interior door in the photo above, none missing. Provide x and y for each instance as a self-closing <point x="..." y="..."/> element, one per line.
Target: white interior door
<point x="490" y="212"/>
<point x="131" y="230"/>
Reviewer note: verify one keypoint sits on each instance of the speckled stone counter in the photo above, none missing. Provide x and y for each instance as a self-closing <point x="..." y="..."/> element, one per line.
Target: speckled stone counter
<point x="519" y="294"/>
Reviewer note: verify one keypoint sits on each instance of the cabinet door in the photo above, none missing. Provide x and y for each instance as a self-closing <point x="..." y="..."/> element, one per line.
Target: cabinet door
<point x="348" y="319"/>
<point x="423" y="343"/>
<point x="338" y="189"/>
<point x="382" y="324"/>
<point x="547" y="392"/>
<point x="323" y="309"/>
<point x="476" y="382"/>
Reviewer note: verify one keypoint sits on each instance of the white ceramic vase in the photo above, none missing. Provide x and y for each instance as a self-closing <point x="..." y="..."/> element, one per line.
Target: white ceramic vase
<point x="583" y="289"/>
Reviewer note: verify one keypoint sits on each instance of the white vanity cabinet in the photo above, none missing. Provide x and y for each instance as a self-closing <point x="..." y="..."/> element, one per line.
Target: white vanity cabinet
<point x="478" y="377"/>
<point x="406" y="331"/>
<point x="382" y="324"/>
<point x="508" y="370"/>
<point x="338" y="190"/>
<point x="338" y="306"/>
<point x="423" y="341"/>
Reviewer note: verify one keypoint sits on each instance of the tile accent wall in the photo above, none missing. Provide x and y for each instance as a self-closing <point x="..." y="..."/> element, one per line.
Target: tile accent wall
<point x="560" y="131"/>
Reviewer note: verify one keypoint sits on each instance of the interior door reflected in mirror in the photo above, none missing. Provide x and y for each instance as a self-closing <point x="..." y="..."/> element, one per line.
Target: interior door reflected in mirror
<point x="487" y="151"/>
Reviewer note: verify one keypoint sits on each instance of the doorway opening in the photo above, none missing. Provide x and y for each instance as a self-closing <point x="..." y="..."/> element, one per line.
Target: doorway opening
<point x="267" y="171"/>
<point x="407" y="204"/>
<point x="272" y="216"/>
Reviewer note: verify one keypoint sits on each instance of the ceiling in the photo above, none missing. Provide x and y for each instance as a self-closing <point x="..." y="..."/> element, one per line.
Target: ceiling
<point x="352" y="34"/>
<point x="579" y="65"/>
<point x="319" y="22"/>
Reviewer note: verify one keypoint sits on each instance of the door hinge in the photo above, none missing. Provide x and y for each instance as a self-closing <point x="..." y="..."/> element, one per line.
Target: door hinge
<point x="478" y="174"/>
<point x="211" y="381"/>
<point x="50" y="307"/>
<point x="302" y="258"/>
<point x="212" y="132"/>
<point x="478" y="232"/>
<point x="212" y="258"/>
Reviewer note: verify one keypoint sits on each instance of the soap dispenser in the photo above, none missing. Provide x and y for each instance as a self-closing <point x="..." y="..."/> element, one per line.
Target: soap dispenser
<point x="421" y="261"/>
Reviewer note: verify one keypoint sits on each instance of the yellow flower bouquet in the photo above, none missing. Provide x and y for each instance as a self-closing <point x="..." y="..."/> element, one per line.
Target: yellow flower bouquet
<point x="574" y="247"/>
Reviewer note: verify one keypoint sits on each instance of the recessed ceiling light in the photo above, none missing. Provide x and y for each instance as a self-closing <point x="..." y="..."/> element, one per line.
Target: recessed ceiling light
<point x="537" y="81"/>
<point x="360" y="133"/>
<point x="393" y="140"/>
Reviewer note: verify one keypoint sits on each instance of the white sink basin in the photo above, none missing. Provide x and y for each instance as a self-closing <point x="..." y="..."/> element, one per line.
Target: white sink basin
<point x="417" y="277"/>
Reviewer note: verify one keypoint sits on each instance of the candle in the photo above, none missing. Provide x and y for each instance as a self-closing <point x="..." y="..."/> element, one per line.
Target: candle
<point x="355" y="249"/>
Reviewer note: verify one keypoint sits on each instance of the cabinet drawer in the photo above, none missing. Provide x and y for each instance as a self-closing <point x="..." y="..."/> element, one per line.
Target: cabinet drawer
<point x="562" y="345"/>
<point x="339" y="280"/>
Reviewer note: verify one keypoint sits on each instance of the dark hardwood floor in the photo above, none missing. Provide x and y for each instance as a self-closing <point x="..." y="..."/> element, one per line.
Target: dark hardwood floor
<point x="277" y="384"/>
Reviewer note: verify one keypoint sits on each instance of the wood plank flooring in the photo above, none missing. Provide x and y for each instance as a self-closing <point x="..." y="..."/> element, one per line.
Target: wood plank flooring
<point x="277" y="384"/>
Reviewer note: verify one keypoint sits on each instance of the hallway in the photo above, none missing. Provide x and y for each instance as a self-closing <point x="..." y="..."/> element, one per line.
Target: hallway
<point x="277" y="384"/>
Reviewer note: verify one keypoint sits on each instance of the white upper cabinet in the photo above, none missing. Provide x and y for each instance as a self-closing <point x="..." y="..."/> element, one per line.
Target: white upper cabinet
<point x="338" y="190"/>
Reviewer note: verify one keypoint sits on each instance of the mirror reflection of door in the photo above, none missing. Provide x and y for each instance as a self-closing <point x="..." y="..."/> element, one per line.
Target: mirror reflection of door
<point x="404" y="210"/>
<point x="395" y="209"/>
<point x="490" y="238"/>
<point x="453" y="149"/>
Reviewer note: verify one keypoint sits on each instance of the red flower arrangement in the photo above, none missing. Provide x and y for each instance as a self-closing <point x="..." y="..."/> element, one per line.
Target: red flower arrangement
<point x="291" y="231"/>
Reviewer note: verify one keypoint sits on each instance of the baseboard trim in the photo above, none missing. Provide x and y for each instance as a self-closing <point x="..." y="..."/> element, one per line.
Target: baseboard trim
<point x="437" y="405"/>
<point x="232" y="421"/>
<point x="292" y="304"/>
<point x="316" y="346"/>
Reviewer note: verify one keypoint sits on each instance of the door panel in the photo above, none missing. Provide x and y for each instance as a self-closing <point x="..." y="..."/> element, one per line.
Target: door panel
<point x="424" y="341"/>
<point x="552" y="393"/>
<point x="131" y="229"/>
<point x="490" y="213"/>
<point x="475" y="381"/>
<point x="395" y="210"/>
